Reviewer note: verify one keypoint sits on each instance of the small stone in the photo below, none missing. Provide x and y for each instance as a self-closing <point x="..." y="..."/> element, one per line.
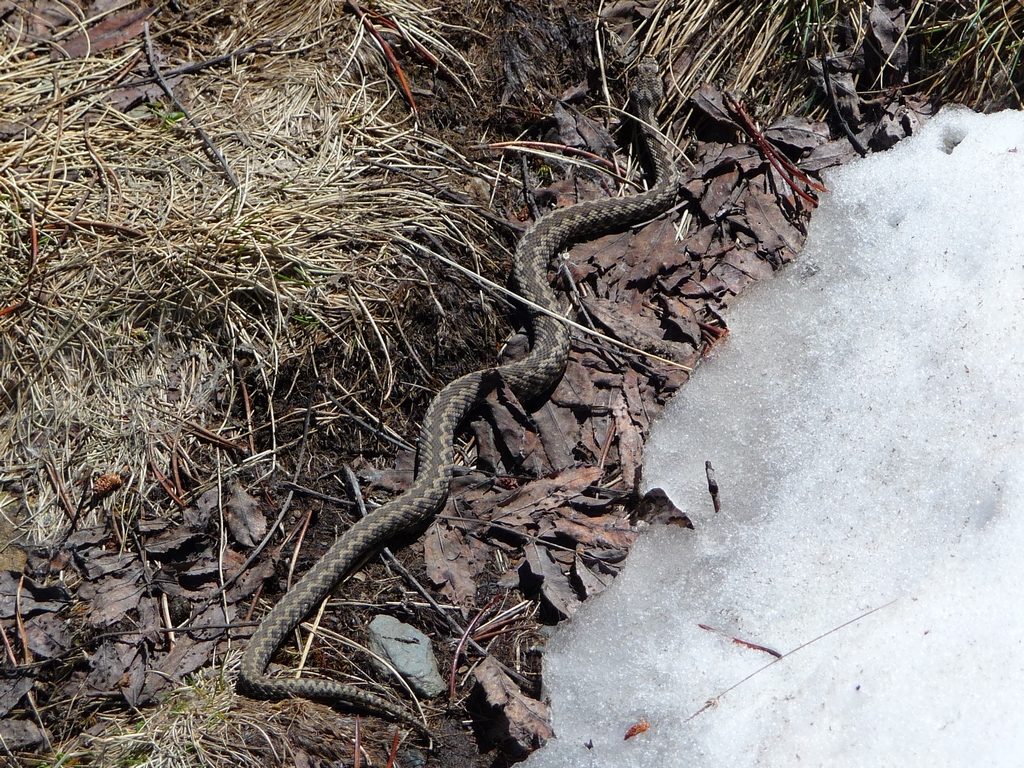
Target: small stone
<point x="409" y="651"/>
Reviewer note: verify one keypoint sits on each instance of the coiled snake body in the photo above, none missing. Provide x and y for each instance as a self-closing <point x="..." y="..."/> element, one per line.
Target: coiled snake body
<point x="529" y="378"/>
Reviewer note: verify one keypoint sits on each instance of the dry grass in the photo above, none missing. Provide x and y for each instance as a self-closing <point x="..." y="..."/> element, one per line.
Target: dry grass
<point x="204" y="724"/>
<point x="973" y="50"/>
<point x="966" y="51"/>
<point x="137" y="283"/>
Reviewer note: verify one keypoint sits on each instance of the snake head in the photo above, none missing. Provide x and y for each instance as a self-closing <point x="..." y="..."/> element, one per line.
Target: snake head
<point x="646" y="89"/>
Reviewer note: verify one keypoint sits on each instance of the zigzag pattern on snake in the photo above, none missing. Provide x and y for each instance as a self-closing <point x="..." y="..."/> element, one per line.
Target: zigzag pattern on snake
<point x="530" y="378"/>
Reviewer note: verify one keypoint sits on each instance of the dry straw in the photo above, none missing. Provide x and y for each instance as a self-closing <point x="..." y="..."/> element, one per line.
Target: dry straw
<point x="138" y="286"/>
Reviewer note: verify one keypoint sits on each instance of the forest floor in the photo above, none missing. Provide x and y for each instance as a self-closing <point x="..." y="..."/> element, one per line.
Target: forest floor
<point x="244" y="245"/>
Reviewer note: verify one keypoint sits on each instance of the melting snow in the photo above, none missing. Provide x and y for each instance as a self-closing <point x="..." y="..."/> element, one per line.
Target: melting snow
<point x="865" y="423"/>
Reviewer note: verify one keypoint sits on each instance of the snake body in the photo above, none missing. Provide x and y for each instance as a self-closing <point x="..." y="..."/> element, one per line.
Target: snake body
<point x="529" y="378"/>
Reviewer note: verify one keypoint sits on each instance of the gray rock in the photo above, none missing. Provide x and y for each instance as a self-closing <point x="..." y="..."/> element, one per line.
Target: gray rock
<point x="409" y="651"/>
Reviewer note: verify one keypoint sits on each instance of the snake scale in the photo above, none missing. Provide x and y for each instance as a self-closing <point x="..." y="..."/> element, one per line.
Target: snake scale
<point x="529" y="378"/>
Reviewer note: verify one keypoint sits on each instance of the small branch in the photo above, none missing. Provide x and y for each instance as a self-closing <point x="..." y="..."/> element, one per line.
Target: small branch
<point x="462" y="644"/>
<point x="786" y="169"/>
<point x="207" y="141"/>
<point x="712" y="486"/>
<point x="833" y="104"/>
<point x="389" y="54"/>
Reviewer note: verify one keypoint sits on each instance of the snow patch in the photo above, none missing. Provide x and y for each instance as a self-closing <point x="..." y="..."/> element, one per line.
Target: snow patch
<point x="865" y="423"/>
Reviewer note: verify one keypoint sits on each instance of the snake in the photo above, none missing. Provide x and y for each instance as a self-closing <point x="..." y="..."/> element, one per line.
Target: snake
<point x="529" y="378"/>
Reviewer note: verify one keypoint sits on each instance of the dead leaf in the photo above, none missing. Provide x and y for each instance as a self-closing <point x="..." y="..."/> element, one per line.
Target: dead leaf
<point x="19" y="735"/>
<point x="11" y="691"/>
<point x="112" y="597"/>
<point x="453" y="562"/>
<point x="114" y="30"/>
<point x="657" y="507"/>
<point x="528" y="719"/>
<point x="797" y="136"/>
<point x="191" y="651"/>
<point x="588" y="582"/>
<point x="887" y="21"/>
<point x="102" y="562"/>
<point x="720" y="191"/>
<point x="558" y="431"/>
<point x="575" y="389"/>
<point x="603" y="531"/>
<point x="48" y="635"/>
<point x="33" y="599"/>
<point x="197" y="517"/>
<point x="110" y="667"/>
<point x="636" y="729"/>
<point x="245" y="521"/>
<point x="172" y="539"/>
<point x="630" y="445"/>
<point x="516" y="439"/>
<point x="554" y="585"/>
<point x="534" y="499"/>
<point x="709" y="100"/>
<point x="774" y="232"/>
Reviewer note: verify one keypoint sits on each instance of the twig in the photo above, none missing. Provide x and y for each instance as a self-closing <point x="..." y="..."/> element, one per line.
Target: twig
<point x="744" y="643"/>
<point x="786" y="169"/>
<point x="462" y="644"/>
<point x="531" y="200"/>
<point x="207" y="142"/>
<point x="833" y="104"/>
<point x="712" y="486"/>
<point x="714" y="700"/>
<point x="564" y="149"/>
<point x="393" y="755"/>
<point x="378" y="431"/>
<point x="389" y="55"/>
<point x="185" y="69"/>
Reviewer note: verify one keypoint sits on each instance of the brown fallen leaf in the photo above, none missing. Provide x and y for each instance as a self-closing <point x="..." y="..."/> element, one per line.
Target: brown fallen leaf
<point x="774" y="232"/>
<point x="576" y="388"/>
<point x="657" y="507"/>
<point x="558" y="430"/>
<point x="31" y="598"/>
<point x="453" y="562"/>
<point x="604" y="531"/>
<point x="112" y="597"/>
<point x="636" y="729"/>
<point x="720" y="192"/>
<point x="246" y="522"/>
<point x="887" y="21"/>
<point x="798" y="135"/>
<point x="198" y="515"/>
<point x="114" y="30"/>
<point x="708" y="99"/>
<point x="517" y="441"/>
<point x="48" y="635"/>
<point x="630" y="444"/>
<point x="528" y="719"/>
<point x="191" y="651"/>
<point x="588" y="582"/>
<point x="11" y="691"/>
<point x="532" y="500"/>
<point x="173" y="539"/>
<point x="110" y="668"/>
<point x="554" y="585"/>
<point x="19" y="735"/>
